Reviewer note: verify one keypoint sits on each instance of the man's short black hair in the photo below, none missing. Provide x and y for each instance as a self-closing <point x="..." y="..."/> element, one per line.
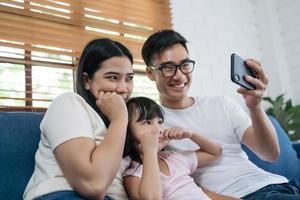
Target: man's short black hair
<point x="159" y="41"/>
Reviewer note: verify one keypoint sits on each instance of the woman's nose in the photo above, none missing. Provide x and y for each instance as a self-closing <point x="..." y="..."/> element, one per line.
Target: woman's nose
<point x="121" y="87"/>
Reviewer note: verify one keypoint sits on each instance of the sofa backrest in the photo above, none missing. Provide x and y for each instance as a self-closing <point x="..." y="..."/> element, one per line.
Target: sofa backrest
<point x="288" y="163"/>
<point x="20" y="135"/>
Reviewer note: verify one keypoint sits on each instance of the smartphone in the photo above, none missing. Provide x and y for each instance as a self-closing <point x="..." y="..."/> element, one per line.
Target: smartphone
<point x="239" y="70"/>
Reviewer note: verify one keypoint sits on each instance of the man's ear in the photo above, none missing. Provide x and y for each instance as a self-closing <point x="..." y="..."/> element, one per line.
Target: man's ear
<point x="86" y="81"/>
<point x="149" y="73"/>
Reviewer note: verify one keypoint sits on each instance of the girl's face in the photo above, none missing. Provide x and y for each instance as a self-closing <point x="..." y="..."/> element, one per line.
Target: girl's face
<point x="151" y="126"/>
<point x="114" y="75"/>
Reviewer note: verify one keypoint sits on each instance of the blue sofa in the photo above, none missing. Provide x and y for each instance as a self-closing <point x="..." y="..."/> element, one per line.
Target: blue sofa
<point x="20" y="136"/>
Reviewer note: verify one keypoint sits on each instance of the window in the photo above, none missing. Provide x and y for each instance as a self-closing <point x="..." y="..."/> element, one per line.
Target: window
<point x="144" y="87"/>
<point x="41" y="41"/>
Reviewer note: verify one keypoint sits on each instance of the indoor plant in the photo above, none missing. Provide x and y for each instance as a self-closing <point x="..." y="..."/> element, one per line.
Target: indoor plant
<point x="287" y="115"/>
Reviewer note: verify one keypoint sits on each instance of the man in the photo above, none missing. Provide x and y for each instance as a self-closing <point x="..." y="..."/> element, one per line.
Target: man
<point x="168" y="64"/>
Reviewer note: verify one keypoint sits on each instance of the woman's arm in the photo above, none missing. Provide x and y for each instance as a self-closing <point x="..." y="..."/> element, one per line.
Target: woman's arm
<point x="149" y="185"/>
<point x="90" y="168"/>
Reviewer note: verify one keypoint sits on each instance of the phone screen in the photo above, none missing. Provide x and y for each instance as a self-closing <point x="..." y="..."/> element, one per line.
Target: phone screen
<point x="239" y="70"/>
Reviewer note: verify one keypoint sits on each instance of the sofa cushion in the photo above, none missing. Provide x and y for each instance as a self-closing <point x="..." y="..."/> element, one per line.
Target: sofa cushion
<point x="20" y="135"/>
<point x="288" y="164"/>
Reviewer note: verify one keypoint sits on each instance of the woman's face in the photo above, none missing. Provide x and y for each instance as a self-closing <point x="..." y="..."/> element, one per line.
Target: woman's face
<point x="114" y="75"/>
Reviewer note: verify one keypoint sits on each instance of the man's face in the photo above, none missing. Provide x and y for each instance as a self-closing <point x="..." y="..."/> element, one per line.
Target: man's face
<point x="172" y="89"/>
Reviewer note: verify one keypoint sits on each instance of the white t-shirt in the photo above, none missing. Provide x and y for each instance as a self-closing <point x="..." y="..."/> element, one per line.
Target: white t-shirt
<point x="179" y="184"/>
<point x="69" y="116"/>
<point x="224" y="121"/>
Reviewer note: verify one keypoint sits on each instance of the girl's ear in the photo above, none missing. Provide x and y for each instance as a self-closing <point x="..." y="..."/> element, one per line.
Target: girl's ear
<point x="86" y="81"/>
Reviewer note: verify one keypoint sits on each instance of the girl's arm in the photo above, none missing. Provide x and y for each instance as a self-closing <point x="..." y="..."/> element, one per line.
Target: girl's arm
<point x="149" y="185"/>
<point x="216" y="196"/>
<point x="208" y="150"/>
<point x="90" y="168"/>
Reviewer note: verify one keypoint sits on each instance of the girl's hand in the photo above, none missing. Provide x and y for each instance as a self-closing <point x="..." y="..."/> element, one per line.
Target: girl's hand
<point x="149" y="142"/>
<point x="112" y="105"/>
<point x="176" y="133"/>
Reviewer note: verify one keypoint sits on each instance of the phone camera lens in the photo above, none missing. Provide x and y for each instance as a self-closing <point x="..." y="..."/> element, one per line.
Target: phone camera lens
<point x="236" y="77"/>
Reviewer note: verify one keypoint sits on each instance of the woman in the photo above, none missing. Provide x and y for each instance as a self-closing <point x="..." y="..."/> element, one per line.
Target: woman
<point x="83" y="133"/>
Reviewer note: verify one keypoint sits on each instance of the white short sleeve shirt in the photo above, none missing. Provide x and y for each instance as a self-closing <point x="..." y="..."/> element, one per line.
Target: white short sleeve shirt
<point x="68" y="117"/>
<point x="224" y="121"/>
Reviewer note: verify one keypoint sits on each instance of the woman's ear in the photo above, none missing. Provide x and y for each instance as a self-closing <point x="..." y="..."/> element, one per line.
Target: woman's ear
<point x="149" y="73"/>
<point x="86" y="81"/>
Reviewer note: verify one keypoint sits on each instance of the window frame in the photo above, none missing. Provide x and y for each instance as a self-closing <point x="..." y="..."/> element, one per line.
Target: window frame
<point x="134" y="22"/>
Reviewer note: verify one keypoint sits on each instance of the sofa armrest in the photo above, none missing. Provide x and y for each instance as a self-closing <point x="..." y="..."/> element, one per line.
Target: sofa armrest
<point x="20" y="135"/>
<point x="288" y="155"/>
<point x="296" y="146"/>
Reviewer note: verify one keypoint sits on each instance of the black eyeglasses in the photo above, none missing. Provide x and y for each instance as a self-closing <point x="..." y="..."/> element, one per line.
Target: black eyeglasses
<point x="169" y="69"/>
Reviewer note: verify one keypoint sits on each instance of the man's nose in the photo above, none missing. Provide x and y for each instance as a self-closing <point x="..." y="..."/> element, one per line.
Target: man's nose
<point x="178" y="73"/>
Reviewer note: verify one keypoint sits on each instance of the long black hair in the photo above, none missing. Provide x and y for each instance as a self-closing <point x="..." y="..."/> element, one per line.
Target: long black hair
<point x="147" y="109"/>
<point x="94" y="53"/>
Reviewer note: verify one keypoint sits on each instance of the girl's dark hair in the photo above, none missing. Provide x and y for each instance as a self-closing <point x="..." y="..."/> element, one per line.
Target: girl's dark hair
<point x="94" y="53"/>
<point x="147" y="109"/>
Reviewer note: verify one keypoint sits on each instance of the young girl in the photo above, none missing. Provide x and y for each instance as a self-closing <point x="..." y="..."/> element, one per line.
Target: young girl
<point x="157" y="174"/>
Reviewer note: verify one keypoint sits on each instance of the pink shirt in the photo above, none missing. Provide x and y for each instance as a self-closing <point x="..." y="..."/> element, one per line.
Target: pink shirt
<point x="180" y="184"/>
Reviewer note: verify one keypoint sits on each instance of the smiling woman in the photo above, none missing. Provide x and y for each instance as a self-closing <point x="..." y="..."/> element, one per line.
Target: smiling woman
<point x="81" y="131"/>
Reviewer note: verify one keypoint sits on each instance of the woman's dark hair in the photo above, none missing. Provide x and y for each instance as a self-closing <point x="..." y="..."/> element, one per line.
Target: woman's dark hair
<point x="94" y="53"/>
<point x="159" y="41"/>
<point x="147" y="109"/>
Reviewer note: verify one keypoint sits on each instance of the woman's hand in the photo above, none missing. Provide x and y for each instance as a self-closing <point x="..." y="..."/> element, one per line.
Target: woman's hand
<point x="253" y="98"/>
<point x="112" y="105"/>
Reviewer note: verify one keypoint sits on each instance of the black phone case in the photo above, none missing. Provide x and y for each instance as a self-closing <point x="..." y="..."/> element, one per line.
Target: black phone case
<point x="239" y="70"/>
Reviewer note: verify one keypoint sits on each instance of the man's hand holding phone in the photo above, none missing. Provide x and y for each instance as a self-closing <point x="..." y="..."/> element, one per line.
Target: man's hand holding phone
<point x="253" y="75"/>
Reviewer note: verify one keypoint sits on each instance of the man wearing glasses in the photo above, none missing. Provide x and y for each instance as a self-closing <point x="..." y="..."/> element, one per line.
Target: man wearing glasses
<point x="168" y="64"/>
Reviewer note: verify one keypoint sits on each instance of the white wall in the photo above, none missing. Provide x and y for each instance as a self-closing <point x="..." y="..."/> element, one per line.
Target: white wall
<point x="260" y="29"/>
<point x="288" y="21"/>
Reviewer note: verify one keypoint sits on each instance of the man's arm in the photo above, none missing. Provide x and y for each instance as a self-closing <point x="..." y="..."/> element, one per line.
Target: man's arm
<point x="261" y="137"/>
